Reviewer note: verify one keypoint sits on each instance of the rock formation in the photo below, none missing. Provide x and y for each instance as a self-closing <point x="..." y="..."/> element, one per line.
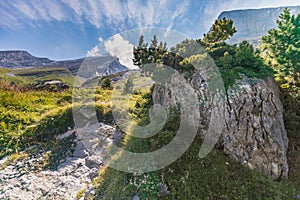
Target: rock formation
<point x="253" y="130"/>
<point x="101" y="65"/>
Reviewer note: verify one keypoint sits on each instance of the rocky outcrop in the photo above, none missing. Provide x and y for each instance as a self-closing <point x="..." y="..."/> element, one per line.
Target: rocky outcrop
<point x="27" y="179"/>
<point x="253" y="130"/>
<point x="255" y="134"/>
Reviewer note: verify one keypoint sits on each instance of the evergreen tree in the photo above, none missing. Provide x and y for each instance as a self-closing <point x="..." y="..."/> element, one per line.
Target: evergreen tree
<point x="154" y="42"/>
<point x="282" y="45"/>
<point x="233" y="60"/>
<point x="106" y="84"/>
<point x="148" y="55"/>
<point x="221" y="30"/>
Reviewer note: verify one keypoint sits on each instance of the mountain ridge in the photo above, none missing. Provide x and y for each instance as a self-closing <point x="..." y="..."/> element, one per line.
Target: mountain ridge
<point x="16" y="59"/>
<point x="21" y="58"/>
<point x="251" y="24"/>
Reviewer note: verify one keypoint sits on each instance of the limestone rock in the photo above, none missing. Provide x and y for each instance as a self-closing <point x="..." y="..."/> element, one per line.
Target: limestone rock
<point x="253" y="130"/>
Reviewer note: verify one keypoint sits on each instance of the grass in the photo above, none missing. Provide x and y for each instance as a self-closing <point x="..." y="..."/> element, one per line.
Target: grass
<point x="25" y="76"/>
<point x="31" y="117"/>
<point x="35" y="117"/>
<point x="214" y="177"/>
<point x="218" y="177"/>
<point x="46" y="73"/>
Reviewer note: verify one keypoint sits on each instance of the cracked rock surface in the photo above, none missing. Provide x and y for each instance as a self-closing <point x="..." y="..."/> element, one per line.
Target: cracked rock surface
<point x="255" y="132"/>
<point x="252" y="128"/>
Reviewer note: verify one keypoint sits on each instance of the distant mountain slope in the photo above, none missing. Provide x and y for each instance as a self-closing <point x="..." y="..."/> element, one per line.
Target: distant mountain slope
<point x="71" y="65"/>
<point x="253" y="23"/>
<point x="22" y="64"/>
<point x="20" y="59"/>
<point x="104" y="65"/>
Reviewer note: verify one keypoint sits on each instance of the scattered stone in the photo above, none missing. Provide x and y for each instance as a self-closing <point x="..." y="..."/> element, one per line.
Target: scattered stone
<point x="23" y="180"/>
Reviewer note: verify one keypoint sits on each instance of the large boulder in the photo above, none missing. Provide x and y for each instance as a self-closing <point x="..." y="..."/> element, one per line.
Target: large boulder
<point x="252" y="132"/>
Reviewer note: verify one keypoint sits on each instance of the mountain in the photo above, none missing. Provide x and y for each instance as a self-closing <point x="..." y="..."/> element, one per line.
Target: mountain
<point x="251" y="24"/>
<point x="91" y="67"/>
<point x="21" y="59"/>
<point x="104" y="65"/>
<point x="114" y="68"/>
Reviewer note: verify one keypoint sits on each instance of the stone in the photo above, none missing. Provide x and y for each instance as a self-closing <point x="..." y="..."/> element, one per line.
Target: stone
<point x="253" y="129"/>
<point x="72" y="175"/>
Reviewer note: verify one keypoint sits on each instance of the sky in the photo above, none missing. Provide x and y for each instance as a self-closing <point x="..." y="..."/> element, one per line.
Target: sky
<point x="69" y="29"/>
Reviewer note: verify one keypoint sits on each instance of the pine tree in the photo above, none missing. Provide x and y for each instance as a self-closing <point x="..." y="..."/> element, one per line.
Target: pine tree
<point x="282" y="45"/>
<point x="146" y="55"/>
<point x="221" y="30"/>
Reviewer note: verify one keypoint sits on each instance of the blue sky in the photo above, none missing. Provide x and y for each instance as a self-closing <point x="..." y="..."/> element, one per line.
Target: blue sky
<point x="67" y="29"/>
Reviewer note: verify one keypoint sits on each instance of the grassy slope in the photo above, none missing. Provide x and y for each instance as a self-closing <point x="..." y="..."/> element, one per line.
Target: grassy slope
<point x="26" y="116"/>
<point x="32" y="117"/>
<point x="214" y="177"/>
<point x="30" y="75"/>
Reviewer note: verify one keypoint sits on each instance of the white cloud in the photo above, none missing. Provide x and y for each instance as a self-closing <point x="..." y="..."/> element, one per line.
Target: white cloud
<point x="162" y="2"/>
<point x="180" y="10"/>
<point x="55" y="10"/>
<point x="119" y="15"/>
<point x="94" y="52"/>
<point x="26" y="10"/>
<point x="7" y="19"/>
<point x="119" y="47"/>
<point x="113" y="10"/>
<point x="75" y="5"/>
<point x="100" y="13"/>
<point x="100" y="39"/>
